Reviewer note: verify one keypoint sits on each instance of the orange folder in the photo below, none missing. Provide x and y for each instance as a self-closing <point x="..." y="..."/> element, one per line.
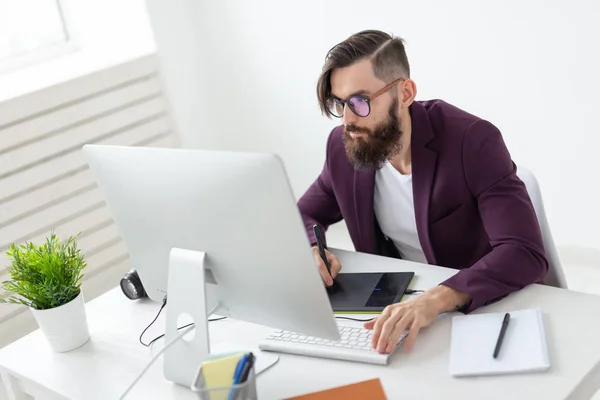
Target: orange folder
<point x="371" y="390"/>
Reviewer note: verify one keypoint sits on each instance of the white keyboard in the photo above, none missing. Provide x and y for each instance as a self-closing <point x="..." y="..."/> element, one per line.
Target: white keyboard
<point x="355" y="345"/>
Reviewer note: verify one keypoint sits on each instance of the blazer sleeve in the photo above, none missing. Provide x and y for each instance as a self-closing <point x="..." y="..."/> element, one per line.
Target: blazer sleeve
<point x="518" y="256"/>
<point x="318" y="205"/>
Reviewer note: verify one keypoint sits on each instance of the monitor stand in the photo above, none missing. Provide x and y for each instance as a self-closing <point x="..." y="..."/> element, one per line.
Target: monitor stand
<point x="186" y="293"/>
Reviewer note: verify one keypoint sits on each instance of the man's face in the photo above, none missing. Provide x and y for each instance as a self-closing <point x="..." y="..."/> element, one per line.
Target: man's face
<point x="370" y="140"/>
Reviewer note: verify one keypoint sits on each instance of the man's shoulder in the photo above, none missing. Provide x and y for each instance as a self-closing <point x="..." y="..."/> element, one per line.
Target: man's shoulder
<point x="440" y="111"/>
<point x="451" y="120"/>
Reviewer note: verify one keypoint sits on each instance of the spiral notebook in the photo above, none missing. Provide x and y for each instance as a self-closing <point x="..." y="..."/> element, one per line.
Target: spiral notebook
<point x="524" y="348"/>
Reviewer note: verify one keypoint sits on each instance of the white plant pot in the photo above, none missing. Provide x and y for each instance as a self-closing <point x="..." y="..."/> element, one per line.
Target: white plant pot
<point x="64" y="327"/>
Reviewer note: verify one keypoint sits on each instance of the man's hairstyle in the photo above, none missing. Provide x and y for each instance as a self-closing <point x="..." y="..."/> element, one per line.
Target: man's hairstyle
<point x="387" y="54"/>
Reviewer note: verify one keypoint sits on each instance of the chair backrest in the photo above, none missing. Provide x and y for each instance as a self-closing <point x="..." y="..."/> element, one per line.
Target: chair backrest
<point x="555" y="276"/>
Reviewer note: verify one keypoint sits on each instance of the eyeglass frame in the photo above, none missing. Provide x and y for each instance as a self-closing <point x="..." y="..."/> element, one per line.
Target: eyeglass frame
<point x="367" y="99"/>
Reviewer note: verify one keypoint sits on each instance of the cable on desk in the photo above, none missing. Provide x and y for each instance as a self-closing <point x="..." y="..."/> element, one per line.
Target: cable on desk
<point x="183" y="327"/>
<point x="164" y="303"/>
<point x="172" y="342"/>
<point x="355" y="319"/>
<point x="413" y="291"/>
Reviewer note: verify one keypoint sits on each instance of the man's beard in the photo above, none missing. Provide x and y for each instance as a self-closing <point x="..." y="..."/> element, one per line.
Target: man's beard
<point x="372" y="151"/>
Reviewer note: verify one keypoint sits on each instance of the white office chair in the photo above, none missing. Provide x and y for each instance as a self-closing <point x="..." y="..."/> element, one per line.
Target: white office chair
<point x="555" y="276"/>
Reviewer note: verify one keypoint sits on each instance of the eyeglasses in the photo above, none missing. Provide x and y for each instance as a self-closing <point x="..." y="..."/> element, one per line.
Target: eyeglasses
<point x="358" y="104"/>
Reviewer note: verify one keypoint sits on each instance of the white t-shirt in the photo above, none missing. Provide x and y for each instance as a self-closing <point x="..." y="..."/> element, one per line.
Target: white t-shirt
<point x="395" y="211"/>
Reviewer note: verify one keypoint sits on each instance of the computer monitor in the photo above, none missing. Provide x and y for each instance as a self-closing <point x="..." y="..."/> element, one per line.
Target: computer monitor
<point x="236" y="207"/>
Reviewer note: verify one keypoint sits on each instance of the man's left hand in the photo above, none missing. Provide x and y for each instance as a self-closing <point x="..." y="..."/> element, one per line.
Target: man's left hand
<point x="412" y="316"/>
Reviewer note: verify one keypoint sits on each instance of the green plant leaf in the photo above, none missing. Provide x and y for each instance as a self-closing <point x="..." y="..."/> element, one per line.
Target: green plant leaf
<point x="44" y="276"/>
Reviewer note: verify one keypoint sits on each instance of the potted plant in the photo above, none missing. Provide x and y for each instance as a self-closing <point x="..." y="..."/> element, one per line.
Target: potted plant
<point x="47" y="279"/>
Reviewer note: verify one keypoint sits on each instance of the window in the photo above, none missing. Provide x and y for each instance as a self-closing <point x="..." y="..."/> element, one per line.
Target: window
<point x="31" y="30"/>
<point x="46" y="42"/>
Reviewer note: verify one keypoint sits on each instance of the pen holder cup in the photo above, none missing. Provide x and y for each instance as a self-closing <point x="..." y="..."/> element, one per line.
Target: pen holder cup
<point x="242" y="391"/>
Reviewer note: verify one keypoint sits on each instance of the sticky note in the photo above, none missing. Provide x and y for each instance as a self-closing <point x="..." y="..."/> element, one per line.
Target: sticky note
<point x="218" y="372"/>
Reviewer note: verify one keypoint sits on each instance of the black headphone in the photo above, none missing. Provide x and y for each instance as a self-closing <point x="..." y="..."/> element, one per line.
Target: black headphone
<point x="132" y="287"/>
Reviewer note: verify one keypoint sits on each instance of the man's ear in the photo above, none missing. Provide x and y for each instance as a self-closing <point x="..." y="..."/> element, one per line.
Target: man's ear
<point x="407" y="91"/>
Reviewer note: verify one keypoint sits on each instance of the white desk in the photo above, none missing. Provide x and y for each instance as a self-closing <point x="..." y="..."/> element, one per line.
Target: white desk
<point x="106" y="365"/>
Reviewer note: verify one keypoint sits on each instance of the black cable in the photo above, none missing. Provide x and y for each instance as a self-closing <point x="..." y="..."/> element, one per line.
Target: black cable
<point x="355" y="319"/>
<point x="183" y="327"/>
<point x="413" y="291"/>
<point x="164" y="303"/>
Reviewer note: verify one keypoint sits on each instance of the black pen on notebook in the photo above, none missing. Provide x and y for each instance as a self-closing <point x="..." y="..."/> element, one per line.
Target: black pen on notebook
<point x="321" y="245"/>
<point x="505" y="322"/>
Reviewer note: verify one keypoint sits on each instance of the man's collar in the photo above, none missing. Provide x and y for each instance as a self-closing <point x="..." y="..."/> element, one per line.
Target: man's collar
<point x="421" y="131"/>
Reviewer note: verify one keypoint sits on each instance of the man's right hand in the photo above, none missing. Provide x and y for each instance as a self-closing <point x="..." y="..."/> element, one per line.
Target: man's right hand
<point x="334" y="263"/>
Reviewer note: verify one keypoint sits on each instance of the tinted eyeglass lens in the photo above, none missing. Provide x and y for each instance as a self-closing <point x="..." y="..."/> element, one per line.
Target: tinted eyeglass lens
<point x="336" y="107"/>
<point x="359" y="105"/>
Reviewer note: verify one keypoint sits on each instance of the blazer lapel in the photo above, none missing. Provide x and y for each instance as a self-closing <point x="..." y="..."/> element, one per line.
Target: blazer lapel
<point x="424" y="160"/>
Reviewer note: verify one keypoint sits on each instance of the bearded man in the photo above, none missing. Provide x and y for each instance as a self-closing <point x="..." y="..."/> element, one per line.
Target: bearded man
<point x="419" y="180"/>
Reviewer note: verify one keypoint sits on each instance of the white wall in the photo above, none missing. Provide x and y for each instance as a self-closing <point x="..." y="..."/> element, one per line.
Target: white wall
<point x="530" y="67"/>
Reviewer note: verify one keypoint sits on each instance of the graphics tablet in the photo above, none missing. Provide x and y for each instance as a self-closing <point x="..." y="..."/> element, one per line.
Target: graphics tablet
<point x="367" y="292"/>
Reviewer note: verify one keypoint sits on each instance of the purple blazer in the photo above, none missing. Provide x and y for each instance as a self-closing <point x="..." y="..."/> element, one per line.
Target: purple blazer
<point x="472" y="211"/>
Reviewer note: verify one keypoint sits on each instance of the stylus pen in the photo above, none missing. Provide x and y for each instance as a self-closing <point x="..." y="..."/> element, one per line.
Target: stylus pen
<point x="321" y="245"/>
<point x="501" y="335"/>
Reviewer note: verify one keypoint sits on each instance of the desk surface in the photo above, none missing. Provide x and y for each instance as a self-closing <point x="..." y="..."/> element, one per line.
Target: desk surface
<point x="106" y="365"/>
